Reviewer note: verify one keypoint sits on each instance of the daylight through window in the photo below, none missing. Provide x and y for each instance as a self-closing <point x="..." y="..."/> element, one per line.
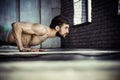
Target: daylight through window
<point x="82" y="11"/>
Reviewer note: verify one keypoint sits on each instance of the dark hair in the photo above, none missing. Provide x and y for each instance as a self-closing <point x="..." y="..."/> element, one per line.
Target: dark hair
<point x="58" y="20"/>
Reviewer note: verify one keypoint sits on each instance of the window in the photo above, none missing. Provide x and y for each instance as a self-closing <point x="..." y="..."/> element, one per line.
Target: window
<point x="118" y="7"/>
<point x="82" y="11"/>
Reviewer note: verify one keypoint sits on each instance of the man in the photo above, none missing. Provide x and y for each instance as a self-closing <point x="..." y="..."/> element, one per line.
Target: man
<point x="26" y="34"/>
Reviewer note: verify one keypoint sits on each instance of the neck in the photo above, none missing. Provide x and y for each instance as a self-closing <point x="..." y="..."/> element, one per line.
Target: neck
<point x="51" y="32"/>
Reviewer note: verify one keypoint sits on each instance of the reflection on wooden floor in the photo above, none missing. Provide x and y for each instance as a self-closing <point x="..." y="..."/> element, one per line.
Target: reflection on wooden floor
<point x="58" y="64"/>
<point x="60" y="70"/>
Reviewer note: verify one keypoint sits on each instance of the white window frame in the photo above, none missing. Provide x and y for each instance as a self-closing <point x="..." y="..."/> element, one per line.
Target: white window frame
<point x="82" y="15"/>
<point x="118" y="7"/>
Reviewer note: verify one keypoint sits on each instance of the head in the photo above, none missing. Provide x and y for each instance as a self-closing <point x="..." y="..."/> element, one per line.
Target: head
<point x="61" y="25"/>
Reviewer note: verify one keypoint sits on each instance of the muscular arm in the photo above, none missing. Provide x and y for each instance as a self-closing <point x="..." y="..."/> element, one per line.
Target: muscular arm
<point x="29" y="28"/>
<point x="17" y="31"/>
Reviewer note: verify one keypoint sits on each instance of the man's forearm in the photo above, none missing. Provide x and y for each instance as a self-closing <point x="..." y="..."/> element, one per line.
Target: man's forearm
<point x="17" y="35"/>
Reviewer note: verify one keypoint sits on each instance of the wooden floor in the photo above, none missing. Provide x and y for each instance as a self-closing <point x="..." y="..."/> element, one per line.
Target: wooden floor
<point x="59" y="64"/>
<point x="60" y="70"/>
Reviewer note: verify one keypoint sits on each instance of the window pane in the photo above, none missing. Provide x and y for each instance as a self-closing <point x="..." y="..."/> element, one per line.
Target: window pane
<point x="76" y="1"/>
<point x="77" y="11"/>
<point x="82" y="11"/>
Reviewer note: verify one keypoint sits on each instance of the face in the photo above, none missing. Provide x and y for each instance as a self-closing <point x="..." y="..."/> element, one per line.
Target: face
<point x="63" y="31"/>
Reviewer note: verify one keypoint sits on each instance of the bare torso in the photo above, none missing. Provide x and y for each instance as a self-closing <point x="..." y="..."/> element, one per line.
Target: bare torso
<point x="27" y="38"/>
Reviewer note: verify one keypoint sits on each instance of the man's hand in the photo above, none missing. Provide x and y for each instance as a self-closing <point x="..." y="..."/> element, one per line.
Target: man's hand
<point x="31" y="50"/>
<point x="25" y="50"/>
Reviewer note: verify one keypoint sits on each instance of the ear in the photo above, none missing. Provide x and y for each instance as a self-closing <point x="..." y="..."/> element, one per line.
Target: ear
<point x="57" y="28"/>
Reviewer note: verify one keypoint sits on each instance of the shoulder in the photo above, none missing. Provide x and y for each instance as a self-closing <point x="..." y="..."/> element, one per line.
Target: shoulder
<point x="39" y="29"/>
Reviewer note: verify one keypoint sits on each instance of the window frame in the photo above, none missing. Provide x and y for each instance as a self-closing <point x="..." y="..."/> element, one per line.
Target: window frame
<point x="118" y="7"/>
<point x="88" y="11"/>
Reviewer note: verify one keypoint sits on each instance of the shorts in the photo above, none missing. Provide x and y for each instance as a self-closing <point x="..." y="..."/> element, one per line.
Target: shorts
<point x="4" y="36"/>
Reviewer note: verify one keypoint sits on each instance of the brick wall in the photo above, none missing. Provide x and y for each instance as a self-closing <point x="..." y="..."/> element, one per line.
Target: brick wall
<point x="102" y="33"/>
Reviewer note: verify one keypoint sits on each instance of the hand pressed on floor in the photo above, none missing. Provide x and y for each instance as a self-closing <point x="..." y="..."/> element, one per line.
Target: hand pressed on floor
<point x="32" y="50"/>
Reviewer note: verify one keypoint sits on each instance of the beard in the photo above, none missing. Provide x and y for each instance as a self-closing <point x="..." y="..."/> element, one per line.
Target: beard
<point x="59" y="35"/>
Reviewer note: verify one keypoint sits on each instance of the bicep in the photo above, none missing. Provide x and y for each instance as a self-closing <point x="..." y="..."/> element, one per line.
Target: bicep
<point x="39" y="29"/>
<point x="35" y="29"/>
<point x="28" y="30"/>
<point x="22" y="27"/>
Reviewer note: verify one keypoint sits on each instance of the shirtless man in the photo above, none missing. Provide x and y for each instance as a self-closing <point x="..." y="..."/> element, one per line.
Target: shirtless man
<point x="26" y="34"/>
